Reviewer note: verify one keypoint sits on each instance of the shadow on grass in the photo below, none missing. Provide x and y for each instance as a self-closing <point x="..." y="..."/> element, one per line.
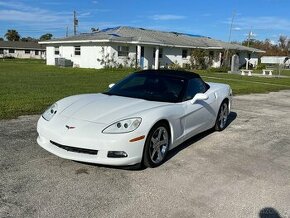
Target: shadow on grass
<point x="138" y="167"/>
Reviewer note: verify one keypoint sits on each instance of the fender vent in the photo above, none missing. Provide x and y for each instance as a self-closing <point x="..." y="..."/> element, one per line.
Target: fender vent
<point x="74" y="149"/>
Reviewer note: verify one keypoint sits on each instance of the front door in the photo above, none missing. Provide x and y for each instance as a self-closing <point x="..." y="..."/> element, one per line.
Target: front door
<point x="200" y="115"/>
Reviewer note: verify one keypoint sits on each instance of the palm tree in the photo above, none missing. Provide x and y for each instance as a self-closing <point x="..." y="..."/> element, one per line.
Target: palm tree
<point x="12" y="35"/>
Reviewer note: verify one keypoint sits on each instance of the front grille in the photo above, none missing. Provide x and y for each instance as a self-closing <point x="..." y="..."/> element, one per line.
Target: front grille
<point x="73" y="149"/>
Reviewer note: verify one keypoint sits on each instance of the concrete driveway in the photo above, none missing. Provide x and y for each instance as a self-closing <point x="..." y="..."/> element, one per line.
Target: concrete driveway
<point x="243" y="171"/>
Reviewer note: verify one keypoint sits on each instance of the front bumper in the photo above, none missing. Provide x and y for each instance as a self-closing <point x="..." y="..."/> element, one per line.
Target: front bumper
<point x="88" y="136"/>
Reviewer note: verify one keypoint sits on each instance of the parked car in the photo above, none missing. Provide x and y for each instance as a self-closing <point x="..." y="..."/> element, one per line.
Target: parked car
<point x="138" y="120"/>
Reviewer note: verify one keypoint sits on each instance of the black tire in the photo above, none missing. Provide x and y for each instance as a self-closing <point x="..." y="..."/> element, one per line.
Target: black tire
<point x="222" y="117"/>
<point x="156" y="145"/>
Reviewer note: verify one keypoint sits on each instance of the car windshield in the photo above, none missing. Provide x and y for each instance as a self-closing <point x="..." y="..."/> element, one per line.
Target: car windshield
<point x="152" y="87"/>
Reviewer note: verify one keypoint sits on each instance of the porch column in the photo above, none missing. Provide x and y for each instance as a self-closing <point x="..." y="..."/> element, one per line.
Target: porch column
<point x="138" y="55"/>
<point x="220" y="59"/>
<point x="156" y="66"/>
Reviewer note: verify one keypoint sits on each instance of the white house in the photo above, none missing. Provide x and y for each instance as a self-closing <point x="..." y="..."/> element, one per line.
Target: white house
<point x="146" y="48"/>
<point x="20" y="49"/>
<point x="273" y="60"/>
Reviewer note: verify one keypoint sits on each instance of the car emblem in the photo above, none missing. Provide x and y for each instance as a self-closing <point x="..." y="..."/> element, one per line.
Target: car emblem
<point x="69" y="127"/>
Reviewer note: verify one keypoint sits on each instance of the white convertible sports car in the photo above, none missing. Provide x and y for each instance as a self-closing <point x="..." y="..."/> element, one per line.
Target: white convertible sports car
<point x="138" y="120"/>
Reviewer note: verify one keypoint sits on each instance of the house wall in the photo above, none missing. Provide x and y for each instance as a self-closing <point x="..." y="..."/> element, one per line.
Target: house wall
<point x="20" y="53"/>
<point x="121" y="60"/>
<point x="92" y="53"/>
<point x="50" y="55"/>
<point x="275" y="60"/>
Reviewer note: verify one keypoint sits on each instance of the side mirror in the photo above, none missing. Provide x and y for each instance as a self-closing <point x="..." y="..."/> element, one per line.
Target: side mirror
<point x="111" y="85"/>
<point x="198" y="97"/>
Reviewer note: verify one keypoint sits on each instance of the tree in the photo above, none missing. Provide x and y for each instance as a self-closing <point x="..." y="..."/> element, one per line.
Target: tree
<point x="199" y="60"/>
<point x="283" y="42"/>
<point x="12" y="35"/>
<point x="46" y="36"/>
<point x="1" y="39"/>
<point x="270" y="48"/>
<point x="28" y="39"/>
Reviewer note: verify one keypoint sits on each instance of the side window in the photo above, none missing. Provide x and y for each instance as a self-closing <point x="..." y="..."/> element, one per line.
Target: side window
<point x="194" y="86"/>
<point x="77" y="50"/>
<point x="123" y="51"/>
<point x="56" y="50"/>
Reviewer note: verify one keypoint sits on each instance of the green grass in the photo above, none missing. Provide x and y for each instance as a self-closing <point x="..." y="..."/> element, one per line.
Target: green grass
<point x="29" y="86"/>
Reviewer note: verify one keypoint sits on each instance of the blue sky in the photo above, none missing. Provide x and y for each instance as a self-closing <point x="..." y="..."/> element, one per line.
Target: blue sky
<point x="266" y="18"/>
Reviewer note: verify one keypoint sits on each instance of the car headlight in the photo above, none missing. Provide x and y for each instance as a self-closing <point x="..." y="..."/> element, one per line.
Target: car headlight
<point x="50" y="112"/>
<point x="123" y="126"/>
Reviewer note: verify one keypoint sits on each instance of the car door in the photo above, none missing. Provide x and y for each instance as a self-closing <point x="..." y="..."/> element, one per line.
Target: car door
<point x="200" y="115"/>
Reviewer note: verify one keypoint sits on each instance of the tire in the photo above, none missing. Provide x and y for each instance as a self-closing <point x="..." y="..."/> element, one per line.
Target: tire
<point x="222" y="117"/>
<point x="156" y="145"/>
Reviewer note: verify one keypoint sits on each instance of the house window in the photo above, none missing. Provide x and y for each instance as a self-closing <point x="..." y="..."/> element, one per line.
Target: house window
<point x="11" y="51"/>
<point x="36" y="52"/>
<point x="56" y="50"/>
<point x="27" y="51"/>
<point x="1" y="51"/>
<point x="184" y="53"/>
<point x="123" y="51"/>
<point x="160" y="52"/>
<point x="77" y="50"/>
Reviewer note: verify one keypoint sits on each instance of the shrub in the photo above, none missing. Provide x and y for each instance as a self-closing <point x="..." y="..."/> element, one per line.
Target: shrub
<point x="223" y="69"/>
<point x="261" y="66"/>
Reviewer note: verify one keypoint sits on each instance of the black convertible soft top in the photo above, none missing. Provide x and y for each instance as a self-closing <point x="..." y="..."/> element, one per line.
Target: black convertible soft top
<point x="172" y="73"/>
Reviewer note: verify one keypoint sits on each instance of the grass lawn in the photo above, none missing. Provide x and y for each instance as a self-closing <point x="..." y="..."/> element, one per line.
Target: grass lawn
<point x="29" y="86"/>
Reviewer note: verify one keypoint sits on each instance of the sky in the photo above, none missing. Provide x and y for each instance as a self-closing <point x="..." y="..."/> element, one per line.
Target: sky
<point x="211" y="18"/>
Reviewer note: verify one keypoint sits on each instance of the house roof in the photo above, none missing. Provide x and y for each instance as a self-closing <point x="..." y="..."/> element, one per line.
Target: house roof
<point x="21" y="45"/>
<point x="132" y="35"/>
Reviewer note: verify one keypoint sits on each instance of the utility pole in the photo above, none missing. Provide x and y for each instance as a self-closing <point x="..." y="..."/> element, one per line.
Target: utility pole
<point x="76" y="23"/>
<point x="66" y="33"/>
<point x="230" y="35"/>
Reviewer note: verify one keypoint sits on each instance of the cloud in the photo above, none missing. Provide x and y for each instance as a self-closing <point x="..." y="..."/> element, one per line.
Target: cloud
<point x="167" y="17"/>
<point x="261" y="23"/>
<point x="85" y="14"/>
<point x="39" y="17"/>
<point x="32" y="20"/>
<point x="237" y="28"/>
<point x="95" y="2"/>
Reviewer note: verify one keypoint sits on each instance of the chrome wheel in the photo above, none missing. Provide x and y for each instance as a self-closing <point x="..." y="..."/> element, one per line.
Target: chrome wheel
<point x="223" y="115"/>
<point x="158" y="145"/>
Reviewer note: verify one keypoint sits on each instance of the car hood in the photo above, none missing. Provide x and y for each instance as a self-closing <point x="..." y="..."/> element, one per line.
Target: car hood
<point x="102" y="108"/>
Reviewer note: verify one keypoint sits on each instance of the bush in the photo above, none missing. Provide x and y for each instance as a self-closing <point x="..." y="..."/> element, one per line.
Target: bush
<point x="261" y="66"/>
<point x="199" y="59"/>
<point x="8" y="57"/>
<point x="223" y="69"/>
<point x="174" y="65"/>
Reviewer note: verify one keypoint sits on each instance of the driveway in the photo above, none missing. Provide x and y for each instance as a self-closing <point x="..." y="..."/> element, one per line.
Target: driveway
<point x="243" y="171"/>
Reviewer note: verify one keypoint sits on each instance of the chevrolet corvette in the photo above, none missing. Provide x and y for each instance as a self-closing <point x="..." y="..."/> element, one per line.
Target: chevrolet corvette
<point x="137" y="120"/>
